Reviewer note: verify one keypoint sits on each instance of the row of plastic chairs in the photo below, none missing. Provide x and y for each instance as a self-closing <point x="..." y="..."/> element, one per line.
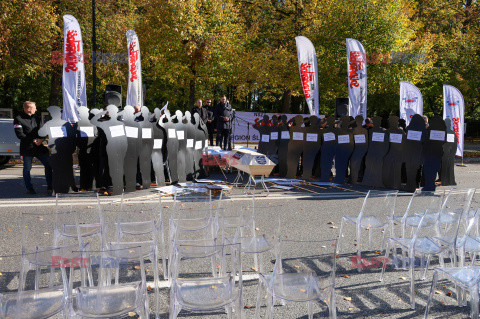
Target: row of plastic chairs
<point x="104" y="291"/>
<point x="439" y="224"/>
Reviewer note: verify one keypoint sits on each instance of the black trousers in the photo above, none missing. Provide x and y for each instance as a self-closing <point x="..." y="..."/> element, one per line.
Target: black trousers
<point x="211" y="131"/>
<point x="223" y="138"/>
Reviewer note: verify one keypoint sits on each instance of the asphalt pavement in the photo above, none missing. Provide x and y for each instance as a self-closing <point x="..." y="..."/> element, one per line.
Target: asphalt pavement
<point x="306" y="212"/>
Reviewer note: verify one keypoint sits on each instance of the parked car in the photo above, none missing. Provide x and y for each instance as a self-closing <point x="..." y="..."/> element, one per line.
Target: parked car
<point x="9" y="143"/>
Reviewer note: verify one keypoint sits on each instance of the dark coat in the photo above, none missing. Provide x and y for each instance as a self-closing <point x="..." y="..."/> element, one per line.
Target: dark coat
<point x="26" y="128"/>
<point x="223" y="110"/>
<point x="203" y="112"/>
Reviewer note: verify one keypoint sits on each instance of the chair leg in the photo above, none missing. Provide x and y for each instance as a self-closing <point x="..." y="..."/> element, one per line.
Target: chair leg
<point x="387" y="252"/>
<point x="310" y="309"/>
<point x="260" y="292"/>
<point x="340" y="234"/>
<point x="359" y="247"/>
<point x="430" y="296"/>
<point x="332" y="306"/>
<point x="474" y="301"/>
<point x="411" y="255"/>
<point x="427" y="263"/>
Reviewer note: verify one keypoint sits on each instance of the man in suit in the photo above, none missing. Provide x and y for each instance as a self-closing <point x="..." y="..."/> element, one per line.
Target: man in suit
<point x="224" y="116"/>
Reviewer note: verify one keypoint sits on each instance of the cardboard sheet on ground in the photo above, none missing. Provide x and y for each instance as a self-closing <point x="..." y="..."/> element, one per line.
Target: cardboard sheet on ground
<point x="205" y="180"/>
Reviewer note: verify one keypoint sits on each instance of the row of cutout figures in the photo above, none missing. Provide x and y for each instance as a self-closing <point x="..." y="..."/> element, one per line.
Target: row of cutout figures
<point x="376" y="157"/>
<point x="111" y="144"/>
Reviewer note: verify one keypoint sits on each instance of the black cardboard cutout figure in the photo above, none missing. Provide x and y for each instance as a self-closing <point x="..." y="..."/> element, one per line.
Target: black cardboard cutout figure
<point x="357" y="160"/>
<point x="329" y="142"/>
<point x="343" y="149"/>
<point x="116" y="145"/>
<point x="274" y="139"/>
<point x="392" y="162"/>
<point x="190" y="137"/>
<point x="311" y="147"/>
<point x="378" y="144"/>
<point x="295" y="145"/>
<point x="447" y="175"/>
<point x="158" y="147"/>
<point x="61" y="141"/>
<point x="132" y="131"/>
<point x="432" y="151"/>
<point x="413" y="149"/>
<point x="85" y="140"/>
<point x="201" y="141"/>
<point x="146" y="146"/>
<point x="180" y="129"/>
<point x="172" y="145"/>
<point x="262" y="127"/>
<point x="283" y="140"/>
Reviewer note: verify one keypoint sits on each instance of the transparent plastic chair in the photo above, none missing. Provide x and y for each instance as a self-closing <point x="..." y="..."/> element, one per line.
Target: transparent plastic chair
<point x="80" y="222"/>
<point x="375" y="214"/>
<point x="189" y="226"/>
<point x="46" y="295"/>
<point x="453" y="214"/>
<point x="300" y="275"/>
<point x="466" y="278"/>
<point x="419" y="203"/>
<point x="422" y="243"/>
<point x="107" y="299"/>
<point x="196" y="289"/>
<point x="469" y="241"/>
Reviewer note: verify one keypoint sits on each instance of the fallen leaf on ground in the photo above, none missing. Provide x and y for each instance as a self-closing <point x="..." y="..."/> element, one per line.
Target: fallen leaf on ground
<point x="345" y="276"/>
<point x="89" y="206"/>
<point x="256" y="228"/>
<point x="253" y="268"/>
<point x="438" y="292"/>
<point x="330" y="223"/>
<point x="149" y="288"/>
<point x="350" y="309"/>
<point x="302" y="290"/>
<point x="132" y="314"/>
<point x="137" y="267"/>
<point x="449" y="293"/>
<point x="347" y="298"/>
<point x="334" y="227"/>
<point x="403" y="278"/>
<point x="248" y="306"/>
<point x="214" y="287"/>
<point x="324" y="246"/>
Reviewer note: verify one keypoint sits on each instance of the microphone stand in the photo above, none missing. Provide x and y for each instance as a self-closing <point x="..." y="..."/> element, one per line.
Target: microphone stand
<point x="248" y="127"/>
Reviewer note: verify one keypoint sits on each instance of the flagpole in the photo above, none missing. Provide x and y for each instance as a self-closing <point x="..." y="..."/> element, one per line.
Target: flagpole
<point x="94" y="57"/>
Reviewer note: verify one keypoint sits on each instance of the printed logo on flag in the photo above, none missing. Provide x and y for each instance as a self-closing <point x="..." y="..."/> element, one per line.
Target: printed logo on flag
<point x="72" y="46"/>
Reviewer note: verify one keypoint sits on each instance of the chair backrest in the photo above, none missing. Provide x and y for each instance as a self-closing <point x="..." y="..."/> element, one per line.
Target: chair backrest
<point x="195" y="259"/>
<point x="79" y="218"/>
<point x="200" y="198"/>
<point x="423" y="200"/>
<point x="455" y="207"/>
<point x="378" y="204"/>
<point x="304" y="256"/>
<point x="139" y="220"/>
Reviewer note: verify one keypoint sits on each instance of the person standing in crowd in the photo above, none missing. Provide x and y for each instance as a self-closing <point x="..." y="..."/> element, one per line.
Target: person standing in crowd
<point x="26" y="125"/>
<point x="210" y="120"/>
<point x="223" y="115"/>
<point x="202" y="112"/>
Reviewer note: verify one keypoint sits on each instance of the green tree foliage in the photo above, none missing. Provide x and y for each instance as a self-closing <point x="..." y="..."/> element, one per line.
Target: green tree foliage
<point x="246" y="48"/>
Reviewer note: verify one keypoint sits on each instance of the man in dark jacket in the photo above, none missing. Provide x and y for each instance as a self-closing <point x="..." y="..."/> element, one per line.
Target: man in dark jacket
<point x="26" y="126"/>
<point x="211" y="120"/>
<point x="224" y="116"/>
<point x="202" y="112"/>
